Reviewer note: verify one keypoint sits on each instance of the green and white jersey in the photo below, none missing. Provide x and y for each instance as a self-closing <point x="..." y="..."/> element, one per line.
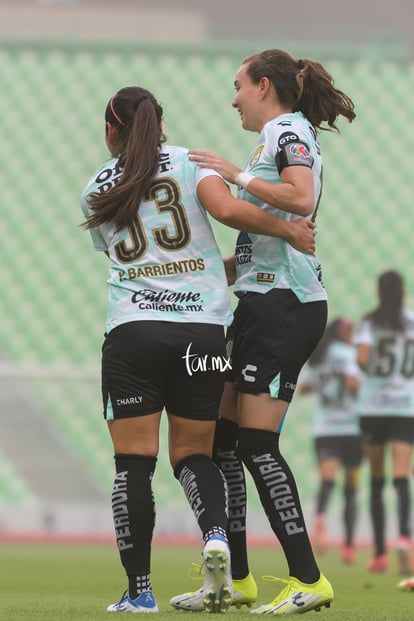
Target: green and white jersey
<point x="264" y="262"/>
<point x="167" y="265"/>
<point x="388" y="386"/>
<point x="335" y="405"/>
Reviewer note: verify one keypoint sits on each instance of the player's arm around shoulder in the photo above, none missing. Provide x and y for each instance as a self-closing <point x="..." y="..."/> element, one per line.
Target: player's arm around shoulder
<point x="217" y="199"/>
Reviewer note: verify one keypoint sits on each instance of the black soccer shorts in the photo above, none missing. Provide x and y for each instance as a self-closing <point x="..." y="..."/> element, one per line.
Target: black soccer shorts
<point x="383" y="429"/>
<point x="347" y="449"/>
<point x="270" y="339"/>
<point x="151" y="365"/>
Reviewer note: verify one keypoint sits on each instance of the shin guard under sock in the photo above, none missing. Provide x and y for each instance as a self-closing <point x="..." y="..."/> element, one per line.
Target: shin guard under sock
<point x="278" y="493"/>
<point x="133" y="510"/>
<point x="205" y="488"/>
<point x="224" y="455"/>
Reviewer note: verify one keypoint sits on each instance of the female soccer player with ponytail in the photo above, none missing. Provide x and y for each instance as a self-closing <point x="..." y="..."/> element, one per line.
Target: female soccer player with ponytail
<point x="282" y="309"/>
<point x="385" y="344"/>
<point x="146" y="208"/>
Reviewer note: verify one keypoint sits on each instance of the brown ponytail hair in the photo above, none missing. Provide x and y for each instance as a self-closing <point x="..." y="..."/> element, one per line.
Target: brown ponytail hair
<point x="137" y="115"/>
<point x="303" y="85"/>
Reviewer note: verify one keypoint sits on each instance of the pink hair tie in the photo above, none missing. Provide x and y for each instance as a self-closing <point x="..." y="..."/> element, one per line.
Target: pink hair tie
<point x="111" y="105"/>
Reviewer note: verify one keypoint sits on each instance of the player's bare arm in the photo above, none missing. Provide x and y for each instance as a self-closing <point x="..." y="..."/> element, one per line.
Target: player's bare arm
<point x="295" y="194"/>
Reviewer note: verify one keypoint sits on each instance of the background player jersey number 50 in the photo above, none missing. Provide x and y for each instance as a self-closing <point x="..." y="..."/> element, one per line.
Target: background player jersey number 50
<point x="386" y="362"/>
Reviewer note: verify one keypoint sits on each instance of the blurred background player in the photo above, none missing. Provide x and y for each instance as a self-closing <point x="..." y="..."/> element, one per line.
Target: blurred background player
<point x="168" y="303"/>
<point x="407" y="584"/>
<point x="385" y="351"/>
<point x="333" y="374"/>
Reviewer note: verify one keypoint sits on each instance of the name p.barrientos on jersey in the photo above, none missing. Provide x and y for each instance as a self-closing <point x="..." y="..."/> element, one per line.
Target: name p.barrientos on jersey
<point x="165" y="300"/>
<point x="163" y="269"/>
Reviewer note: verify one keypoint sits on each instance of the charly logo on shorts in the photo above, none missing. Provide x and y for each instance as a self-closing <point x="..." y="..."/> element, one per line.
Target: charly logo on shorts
<point x="248" y="371"/>
<point x="204" y="362"/>
<point x="135" y="400"/>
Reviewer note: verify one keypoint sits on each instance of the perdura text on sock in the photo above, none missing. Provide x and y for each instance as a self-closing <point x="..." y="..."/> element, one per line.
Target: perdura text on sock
<point x="236" y="489"/>
<point x="189" y="483"/>
<point x="275" y="479"/>
<point x="120" y="511"/>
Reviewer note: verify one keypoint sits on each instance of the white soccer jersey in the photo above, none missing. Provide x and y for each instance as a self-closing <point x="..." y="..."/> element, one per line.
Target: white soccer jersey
<point x="335" y="405"/>
<point x="264" y="262"/>
<point x="388" y="386"/>
<point x="167" y="266"/>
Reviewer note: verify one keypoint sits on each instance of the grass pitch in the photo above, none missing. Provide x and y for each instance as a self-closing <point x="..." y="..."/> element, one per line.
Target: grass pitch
<point x="76" y="583"/>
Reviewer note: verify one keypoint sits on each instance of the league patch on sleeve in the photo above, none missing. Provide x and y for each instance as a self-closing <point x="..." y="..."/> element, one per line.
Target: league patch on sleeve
<point x="292" y="152"/>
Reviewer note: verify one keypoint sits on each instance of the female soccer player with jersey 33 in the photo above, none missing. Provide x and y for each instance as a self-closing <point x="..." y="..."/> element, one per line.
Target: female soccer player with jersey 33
<point x="168" y="303"/>
<point x="281" y="314"/>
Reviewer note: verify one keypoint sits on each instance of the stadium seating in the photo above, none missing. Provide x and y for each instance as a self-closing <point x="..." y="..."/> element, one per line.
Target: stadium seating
<point x="53" y="301"/>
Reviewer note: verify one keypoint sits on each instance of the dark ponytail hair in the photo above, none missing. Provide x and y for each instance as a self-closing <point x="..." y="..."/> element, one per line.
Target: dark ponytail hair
<point x="303" y="85"/>
<point x="388" y="313"/>
<point x="336" y="330"/>
<point x="137" y="115"/>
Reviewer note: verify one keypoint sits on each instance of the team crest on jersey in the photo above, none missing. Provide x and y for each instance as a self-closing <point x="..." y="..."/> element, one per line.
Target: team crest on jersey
<point x="256" y="155"/>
